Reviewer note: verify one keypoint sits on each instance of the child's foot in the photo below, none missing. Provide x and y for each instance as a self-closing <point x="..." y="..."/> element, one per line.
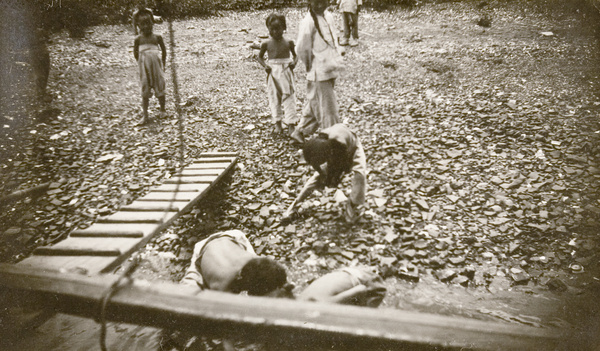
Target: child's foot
<point x="145" y="120"/>
<point x="297" y="137"/>
<point x="350" y="213"/>
<point x="290" y="129"/>
<point x="162" y="114"/>
<point x="353" y="42"/>
<point x="277" y="129"/>
<point x="288" y="216"/>
<point x="343" y="41"/>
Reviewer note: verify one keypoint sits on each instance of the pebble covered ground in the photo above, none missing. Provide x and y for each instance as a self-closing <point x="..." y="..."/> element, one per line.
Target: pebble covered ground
<point x="483" y="144"/>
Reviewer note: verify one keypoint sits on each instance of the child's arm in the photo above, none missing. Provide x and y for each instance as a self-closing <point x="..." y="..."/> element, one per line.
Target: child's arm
<point x="163" y="48"/>
<point x="261" y="57"/>
<point x="313" y="183"/>
<point x="304" y="42"/>
<point x="136" y="48"/>
<point x="294" y="57"/>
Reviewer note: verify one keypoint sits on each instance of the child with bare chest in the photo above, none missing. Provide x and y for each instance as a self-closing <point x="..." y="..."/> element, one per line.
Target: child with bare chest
<point x="151" y="54"/>
<point x="280" y="75"/>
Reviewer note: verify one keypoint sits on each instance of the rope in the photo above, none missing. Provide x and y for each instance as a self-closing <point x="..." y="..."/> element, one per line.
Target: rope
<point x="176" y="93"/>
<point x="123" y="280"/>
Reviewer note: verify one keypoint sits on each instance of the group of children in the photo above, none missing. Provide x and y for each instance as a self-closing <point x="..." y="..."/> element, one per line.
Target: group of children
<point x="226" y="261"/>
<point x="319" y="49"/>
<point x="333" y="151"/>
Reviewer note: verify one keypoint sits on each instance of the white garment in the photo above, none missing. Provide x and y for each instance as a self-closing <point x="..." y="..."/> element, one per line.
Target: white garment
<point x="281" y="91"/>
<point x="349" y="5"/>
<point x="318" y="53"/>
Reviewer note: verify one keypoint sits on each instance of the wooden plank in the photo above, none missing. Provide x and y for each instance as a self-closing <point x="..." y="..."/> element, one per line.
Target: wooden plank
<point x="119" y="233"/>
<point x="219" y="154"/>
<point x="83" y="264"/>
<point x="113" y="229"/>
<point x="175" y="206"/>
<point x="191" y="180"/>
<point x="137" y="217"/>
<point x="97" y="243"/>
<point x="213" y="165"/>
<point x="171" y="196"/>
<point x="188" y="172"/>
<point x="113" y="234"/>
<point x="74" y="251"/>
<point x="290" y="324"/>
<point x="181" y="187"/>
<point x="213" y="160"/>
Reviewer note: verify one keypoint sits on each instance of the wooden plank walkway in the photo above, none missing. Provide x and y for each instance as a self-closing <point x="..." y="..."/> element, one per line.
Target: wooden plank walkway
<point x="108" y="242"/>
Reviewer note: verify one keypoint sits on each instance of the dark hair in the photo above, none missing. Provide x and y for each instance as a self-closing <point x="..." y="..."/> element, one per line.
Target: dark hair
<point x="316" y="150"/>
<point x="260" y="276"/>
<point x="316" y="22"/>
<point x="143" y="14"/>
<point x="321" y="149"/>
<point x="276" y="17"/>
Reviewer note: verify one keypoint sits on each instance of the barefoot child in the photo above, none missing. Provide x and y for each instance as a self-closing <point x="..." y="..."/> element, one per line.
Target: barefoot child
<point x="317" y="48"/>
<point x="150" y="52"/>
<point x="280" y="74"/>
<point x="334" y="151"/>
<point x="350" y="9"/>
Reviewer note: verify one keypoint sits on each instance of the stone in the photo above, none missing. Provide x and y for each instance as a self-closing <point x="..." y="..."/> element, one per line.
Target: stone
<point x="410" y="274"/>
<point x="520" y="276"/>
<point x="446" y="275"/>
<point x="461" y="280"/>
<point x="420" y="244"/>
<point x="556" y="284"/>
<point x="457" y="260"/>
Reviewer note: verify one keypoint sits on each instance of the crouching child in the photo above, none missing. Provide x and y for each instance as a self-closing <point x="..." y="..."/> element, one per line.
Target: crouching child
<point x="334" y="152"/>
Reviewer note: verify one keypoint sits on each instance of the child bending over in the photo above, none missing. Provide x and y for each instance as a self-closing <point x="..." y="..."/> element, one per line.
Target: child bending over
<point x="150" y="52"/>
<point x="332" y="153"/>
<point x="280" y="74"/>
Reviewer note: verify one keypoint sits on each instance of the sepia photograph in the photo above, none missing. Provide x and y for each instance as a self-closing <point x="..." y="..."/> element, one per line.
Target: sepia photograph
<point x="272" y="175"/>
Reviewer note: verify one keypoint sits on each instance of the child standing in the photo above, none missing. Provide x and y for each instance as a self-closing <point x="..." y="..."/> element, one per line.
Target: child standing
<point x="150" y="52"/>
<point x="280" y="74"/>
<point x="317" y="48"/>
<point x="334" y="151"/>
<point x="350" y="9"/>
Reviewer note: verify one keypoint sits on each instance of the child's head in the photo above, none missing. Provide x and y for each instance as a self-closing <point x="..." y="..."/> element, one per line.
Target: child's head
<point x="145" y="22"/>
<point x="276" y="25"/>
<point x="316" y="151"/>
<point x="318" y="6"/>
<point x="262" y="276"/>
<point x="321" y="149"/>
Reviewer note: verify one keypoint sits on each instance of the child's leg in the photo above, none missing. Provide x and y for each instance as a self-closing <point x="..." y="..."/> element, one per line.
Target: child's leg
<point x="145" y="103"/>
<point x="327" y="110"/>
<point x="359" y="177"/>
<point x="346" y="22"/>
<point x="354" y="25"/>
<point x="274" y="96"/>
<point x="309" y="122"/>
<point x="288" y="102"/>
<point x="162" y="103"/>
